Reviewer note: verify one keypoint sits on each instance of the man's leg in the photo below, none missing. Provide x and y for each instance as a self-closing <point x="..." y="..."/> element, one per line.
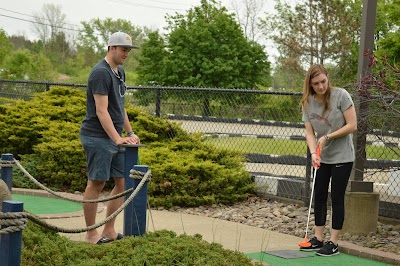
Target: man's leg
<point x="92" y="191"/>
<point x="112" y="206"/>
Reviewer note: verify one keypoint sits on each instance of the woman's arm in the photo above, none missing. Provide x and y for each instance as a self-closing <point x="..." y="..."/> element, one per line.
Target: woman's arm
<point x="350" y="127"/>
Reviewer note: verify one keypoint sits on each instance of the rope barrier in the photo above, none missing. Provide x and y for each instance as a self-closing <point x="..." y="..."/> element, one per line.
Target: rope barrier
<point x="14" y="222"/>
<point x="37" y="220"/>
<point x="4" y="163"/>
<point x="26" y="173"/>
<point x="134" y="174"/>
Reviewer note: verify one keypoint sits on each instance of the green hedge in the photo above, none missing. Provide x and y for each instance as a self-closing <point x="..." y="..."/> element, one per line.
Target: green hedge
<point x="42" y="248"/>
<point x="44" y="134"/>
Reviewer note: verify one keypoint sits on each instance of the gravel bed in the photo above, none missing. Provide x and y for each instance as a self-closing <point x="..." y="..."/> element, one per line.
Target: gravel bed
<point x="289" y="218"/>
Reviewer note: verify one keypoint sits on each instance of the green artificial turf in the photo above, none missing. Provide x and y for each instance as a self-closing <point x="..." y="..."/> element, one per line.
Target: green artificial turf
<point x="45" y="205"/>
<point x="340" y="260"/>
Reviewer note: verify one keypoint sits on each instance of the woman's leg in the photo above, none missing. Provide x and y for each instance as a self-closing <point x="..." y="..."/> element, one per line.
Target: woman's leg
<point x="340" y="178"/>
<point x="321" y="196"/>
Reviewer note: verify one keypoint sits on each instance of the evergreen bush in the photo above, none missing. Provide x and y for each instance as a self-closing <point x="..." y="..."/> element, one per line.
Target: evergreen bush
<point x="42" y="247"/>
<point x="44" y="134"/>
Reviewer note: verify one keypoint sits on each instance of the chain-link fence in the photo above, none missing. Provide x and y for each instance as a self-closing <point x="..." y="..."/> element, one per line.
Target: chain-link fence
<point x="266" y="127"/>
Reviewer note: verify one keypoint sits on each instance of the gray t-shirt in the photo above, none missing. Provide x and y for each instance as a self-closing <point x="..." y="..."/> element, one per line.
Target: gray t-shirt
<point x="103" y="81"/>
<point x="338" y="150"/>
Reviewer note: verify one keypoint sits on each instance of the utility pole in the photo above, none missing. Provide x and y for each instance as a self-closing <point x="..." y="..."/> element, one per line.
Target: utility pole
<point x="361" y="101"/>
<point x="361" y="202"/>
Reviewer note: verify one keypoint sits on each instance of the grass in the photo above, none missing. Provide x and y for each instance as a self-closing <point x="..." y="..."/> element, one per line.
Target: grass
<point x="291" y="147"/>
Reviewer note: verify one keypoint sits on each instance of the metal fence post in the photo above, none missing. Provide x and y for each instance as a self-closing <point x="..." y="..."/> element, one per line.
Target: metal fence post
<point x="6" y="171"/>
<point x="158" y="103"/>
<point x="132" y="226"/>
<point x="10" y="244"/>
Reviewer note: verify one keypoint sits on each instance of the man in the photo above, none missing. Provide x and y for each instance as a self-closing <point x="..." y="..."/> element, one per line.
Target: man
<point x="101" y="133"/>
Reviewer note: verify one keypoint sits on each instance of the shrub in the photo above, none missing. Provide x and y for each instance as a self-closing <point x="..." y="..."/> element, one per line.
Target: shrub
<point x="44" y="133"/>
<point x="42" y="247"/>
<point x="190" y="173"/>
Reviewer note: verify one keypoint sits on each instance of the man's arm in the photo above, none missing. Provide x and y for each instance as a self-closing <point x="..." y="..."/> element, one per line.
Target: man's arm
<point x="104" y="117"/>
<point x="107" y="123"/>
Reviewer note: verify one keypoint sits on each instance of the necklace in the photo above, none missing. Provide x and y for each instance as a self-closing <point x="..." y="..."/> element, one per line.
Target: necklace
<point x="112" y="69"/>
<point x="122" y="86"/>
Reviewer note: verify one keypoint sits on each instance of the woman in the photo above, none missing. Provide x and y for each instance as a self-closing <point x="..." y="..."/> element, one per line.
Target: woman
<point x="329" y="112"/>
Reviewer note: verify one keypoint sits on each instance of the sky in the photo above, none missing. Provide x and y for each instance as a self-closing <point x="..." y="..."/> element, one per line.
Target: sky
<point x="16" y="14"/>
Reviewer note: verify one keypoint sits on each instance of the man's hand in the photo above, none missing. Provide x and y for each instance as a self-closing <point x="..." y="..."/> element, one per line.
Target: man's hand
<point x="128" y="140"/>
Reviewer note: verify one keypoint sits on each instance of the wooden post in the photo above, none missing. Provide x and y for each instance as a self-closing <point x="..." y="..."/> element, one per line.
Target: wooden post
<point x="6" y="171"/>
<point x="361" y="202"/>
<point x="10" y="244"/>
<point x="138" y="223"/>
<point x="133" y="211"/>
<point x="356" y="183"/>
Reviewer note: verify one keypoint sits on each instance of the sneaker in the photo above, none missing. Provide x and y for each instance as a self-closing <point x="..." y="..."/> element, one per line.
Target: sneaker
<point x="315" y="245"/>
<point x="329" y="249"/>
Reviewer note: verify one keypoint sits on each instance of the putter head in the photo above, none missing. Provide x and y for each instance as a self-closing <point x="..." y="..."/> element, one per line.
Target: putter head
<point x="305" y="243"/>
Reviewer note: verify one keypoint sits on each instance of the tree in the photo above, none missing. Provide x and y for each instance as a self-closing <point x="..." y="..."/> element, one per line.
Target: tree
<point x="50" y="25"/>
<point x="247" y="13"/>
<point x="21" y="42"/>
<point x="5" y="46"/>
<point x="17" y="64"/>
<point x="96" y="32"/>
<point x="49" y="22"/>
<point x="58" y="49"/>
<point x="152" y="58"/>
<point x="204" y="48"/>
<point x="22" y="64"/>
<point x="42" y="68"/>
<point x="387" y="33"/>
<point x="314" y="31"/>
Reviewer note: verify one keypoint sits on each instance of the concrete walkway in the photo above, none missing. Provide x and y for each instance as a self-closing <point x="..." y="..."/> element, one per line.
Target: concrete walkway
<point x="233" y="236"/>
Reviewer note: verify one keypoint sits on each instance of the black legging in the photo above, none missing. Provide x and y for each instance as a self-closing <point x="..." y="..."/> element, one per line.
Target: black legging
<point x="339" y="173"/>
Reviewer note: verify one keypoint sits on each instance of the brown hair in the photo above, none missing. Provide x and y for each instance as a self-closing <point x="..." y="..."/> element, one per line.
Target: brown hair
<point x="308" y="90"/>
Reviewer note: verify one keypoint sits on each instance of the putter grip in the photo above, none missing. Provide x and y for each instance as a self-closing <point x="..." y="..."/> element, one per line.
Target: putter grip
<point x="318" y="154"/>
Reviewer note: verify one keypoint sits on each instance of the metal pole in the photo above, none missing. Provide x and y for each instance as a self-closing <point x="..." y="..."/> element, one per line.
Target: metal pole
<point x="158" y="103"/>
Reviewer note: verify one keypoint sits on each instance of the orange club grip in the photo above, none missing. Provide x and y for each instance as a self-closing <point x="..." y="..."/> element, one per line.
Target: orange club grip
<point x="318" y="155"/>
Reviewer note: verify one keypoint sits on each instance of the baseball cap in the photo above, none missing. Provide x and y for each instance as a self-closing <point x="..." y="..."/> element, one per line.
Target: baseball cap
<point x="121" y="39"/>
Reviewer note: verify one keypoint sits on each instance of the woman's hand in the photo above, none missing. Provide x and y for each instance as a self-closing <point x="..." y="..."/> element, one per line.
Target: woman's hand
<point x="315" y="160"/>
<point x="316" y="157"/>
<point x="322" y="142"/>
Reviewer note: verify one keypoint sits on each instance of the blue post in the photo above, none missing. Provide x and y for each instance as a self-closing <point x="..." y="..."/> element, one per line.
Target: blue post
<point x="139" y="205"/>
<point x="10" y="244"/>
<point x="6" y="171"/>
<point x="134" y="218"/>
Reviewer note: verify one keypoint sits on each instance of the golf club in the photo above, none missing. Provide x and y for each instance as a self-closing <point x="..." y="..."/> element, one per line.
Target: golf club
<point x="305" y="242"/>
